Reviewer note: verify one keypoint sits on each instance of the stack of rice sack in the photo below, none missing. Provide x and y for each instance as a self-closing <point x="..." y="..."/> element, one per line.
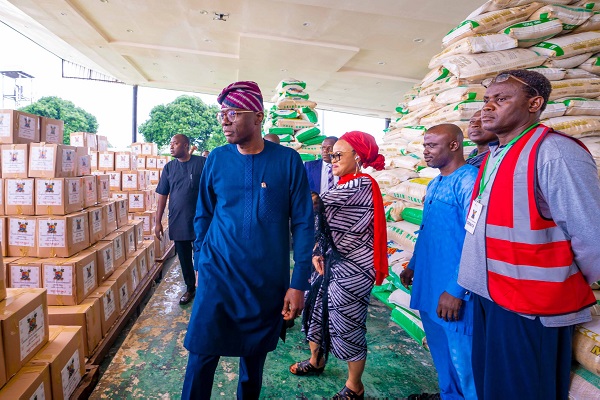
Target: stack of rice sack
<point x="293" y="118"/>
<point x="558" y="38"/>
<point x="585" y="374"/>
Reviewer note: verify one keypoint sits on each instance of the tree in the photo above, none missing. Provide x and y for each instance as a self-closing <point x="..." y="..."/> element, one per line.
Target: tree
<point x="76" y="119"/>
<point x="188" y="115"/>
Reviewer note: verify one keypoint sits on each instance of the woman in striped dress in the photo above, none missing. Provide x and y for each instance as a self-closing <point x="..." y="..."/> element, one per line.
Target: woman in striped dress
<point x="349" y="256"/>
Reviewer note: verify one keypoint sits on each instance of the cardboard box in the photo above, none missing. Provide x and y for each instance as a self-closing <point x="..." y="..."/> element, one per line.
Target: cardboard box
<point x="130" y="180"/>
<point x="114" y="180"/>
<point x="106" y="160"/>
<point x="161" y="246"/>
<point x="161" y="161"/>
<point x="85" y="315"/>
<point x="84" y="163"/>
<point x="3" y="377"/>
<point x="51" y="130"/>
<point x="48" y="160"/>
<point x="149" y="245"/>
<point x="137" y="201"/>
<point x="64" y="353"/>
<point x="105" y="259"/>
<point x="90" y="191"/>
<point x="125" y="161"/>
<point x="25" y="272"/>
<point x="102" y="142"/>
<point x="122" y="212"/>
<point x="110" y="215"/>
<point x="22" y="237"/>
<point x="114" y="195"/>
<point x="149" y="219"/>
<point x="122" y="285"/>
<point x="3" y="236"/>
<point x="141" y="162"/>
<point x="108" y="293"/>
<point x="153" y="177"/>
<point x="151" y="162"/>
<point x="15" y="160"/>
<point x="136" y="148"/>
<point x="62" y="236"/>
<point x="96" y="223"/>
<point x="103" y="187"/>
<point x="70" y="280"/>
<point x="19" y="127"/>
<point x="149" y="149"/>
<point x="94" y="161"/>
<point x="141" y="256"/>
<point x="2" y="210"/>
<point x="24" y="321"/>
<point x="118" y="242"/>
<point x="139" y="232"/>
<point x="133" y="273"/>
<point x="19" y="196"/>
<point x="84" y="139"/>
<point x="32" y="382"/>
<point x="3" y="280"/>
<point x="58" y="196"/>
<point x="128" y="239"/>
<point x="6" y="261"/>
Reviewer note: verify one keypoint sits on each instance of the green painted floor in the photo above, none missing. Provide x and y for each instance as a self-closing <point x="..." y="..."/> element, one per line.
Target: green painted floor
<point x="150" y="362"/>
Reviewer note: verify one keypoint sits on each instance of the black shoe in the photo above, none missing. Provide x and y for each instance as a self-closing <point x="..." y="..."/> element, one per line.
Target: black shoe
<point x="187" y="297"/>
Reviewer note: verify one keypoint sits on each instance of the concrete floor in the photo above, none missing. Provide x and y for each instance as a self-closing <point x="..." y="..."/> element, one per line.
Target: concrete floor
<point x="150" y="362"/>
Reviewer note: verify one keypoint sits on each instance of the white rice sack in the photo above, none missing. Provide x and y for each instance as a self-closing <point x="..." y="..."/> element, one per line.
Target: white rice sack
<point x="584" y="385"/>
<point x="294" y="123"/>
<point x="404" y="233"/>
<point x="484" y="65"/>
<point x="392" y="135"/>
<point x="311" y="149"/>
<point x="579" y="73"/>
<point x="291" y="104"/>
<point x="400" y="298"/>
<point x="493" y="21"/>
<point x="435" y="74"/>
<point x="593" y="145"/>
<point x="397" y="147"/>
<point x="582" y="107"/>
<point x="592" y="24"/>
<point x="412" y="191"/>
<point x="592" y="65"/>
<point x="461" y="93"/>
<point x="416" y="147"/>
<point x="290" y="82"/>
<point x="586" y="342"/>
<point x="409" y="161"/>
<point x="569" y="45"/>
<point x="587" y="4"/>
<point x="529" y="33"/>
<point x="413" y="132"/>
<point x="554" y="109"/>
<point x="393" y="177"/>
<point x="463" y="110"/>
<point x="419" y="102"/>
<point x="568" y="62"/>
<point x="483" y="43"/>
<point x="445" y="84"/>
<point x="576" y="126"/>
<point x="292" y="145"/>
<point x="393" y="211"/>
<point x="494" y="5"/>
<point x="552" y="74"/>
<point x="586" y="87"/>
<point x="571" y="17"/>
<point x="428" y="108"/>
<point x="428" y="172"/>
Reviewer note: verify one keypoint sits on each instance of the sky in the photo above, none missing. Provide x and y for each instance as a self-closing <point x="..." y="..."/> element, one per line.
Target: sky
<point x="112" y="104"/>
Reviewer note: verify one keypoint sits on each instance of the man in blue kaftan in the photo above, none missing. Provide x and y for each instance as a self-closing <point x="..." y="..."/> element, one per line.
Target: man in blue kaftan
<point x="250" y="190"/>
<point x="445" y="308"/>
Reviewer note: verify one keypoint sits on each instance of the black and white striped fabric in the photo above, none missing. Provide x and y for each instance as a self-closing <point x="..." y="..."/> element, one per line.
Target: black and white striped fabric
<point x="349" y="212"/>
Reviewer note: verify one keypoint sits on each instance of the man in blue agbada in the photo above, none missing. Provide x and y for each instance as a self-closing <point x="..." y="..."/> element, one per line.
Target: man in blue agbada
<point x="444" y="306"/>
<point x="252" y="192"/>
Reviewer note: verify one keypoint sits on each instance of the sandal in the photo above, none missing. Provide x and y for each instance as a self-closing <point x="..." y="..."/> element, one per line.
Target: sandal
<point x="349" y="394"/>
<point x="306" y="368"/>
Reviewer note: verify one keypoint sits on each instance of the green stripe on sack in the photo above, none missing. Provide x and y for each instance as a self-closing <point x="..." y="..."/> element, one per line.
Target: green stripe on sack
<point x="308" y="157"/>
<point x="281" y="131"/>
<point x="413" y="215"/>
<point x="316" y="140"/>
<point x="307" y="133"/>
<point x="551" y="46"/>
<point x="465" y="22"/>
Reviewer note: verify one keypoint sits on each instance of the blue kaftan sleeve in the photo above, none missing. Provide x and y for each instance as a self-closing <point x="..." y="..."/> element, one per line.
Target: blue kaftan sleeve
<point x="464" y="190"/>
<point x="205" y="207"/>
<point x="302" y="224"/>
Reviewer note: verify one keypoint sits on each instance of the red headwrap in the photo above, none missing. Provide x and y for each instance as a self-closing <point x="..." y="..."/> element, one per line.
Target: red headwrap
<point x="365" y="147"/>
<point x="245" y="95"/>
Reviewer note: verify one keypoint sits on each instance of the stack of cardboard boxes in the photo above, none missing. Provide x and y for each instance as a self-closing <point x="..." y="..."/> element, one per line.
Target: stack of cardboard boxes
<point x="73" y="258"/>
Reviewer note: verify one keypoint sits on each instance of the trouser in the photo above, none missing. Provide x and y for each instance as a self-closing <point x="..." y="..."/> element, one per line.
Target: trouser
<point x="200" y="374"/>
<point x="185" y="252"/>
<point x="451" y="353"/>
<point x="518" y="358"/>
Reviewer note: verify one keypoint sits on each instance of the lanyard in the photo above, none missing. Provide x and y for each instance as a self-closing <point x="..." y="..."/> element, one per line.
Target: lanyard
<point x="484" y="182"/>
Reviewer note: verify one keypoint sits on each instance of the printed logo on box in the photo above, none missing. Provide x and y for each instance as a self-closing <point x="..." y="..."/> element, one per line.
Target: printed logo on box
<point x="74" y="192"/>
<point x="89" y="278"/>
<point x="78" y="230"/>
<point x="68" y="160"/>
<point x="91" y="191"/>
<point x="114" y="179"/>
<point x="108" y="260"/>
<point x="27" y="127"/>
<point x="5" y="122"/>
<point x="49" y="193"/>
<point x="52" y="133"/>
<point x="43" y="159"/>
<point x="106" y="161"/>
<point x="105" y="189"/>
<point x="21" y="232"/>
<point x="58" y="279"/>
<point x="124" y="293"/>
<point x="24" y="276"/>
<point x="134" y="277"/>
<point x="40" y="393"/>
<point x="118" y="247"/>
<point x="97" y="221"/>
<point x="19" y="193"/>
<point x="123" y="161"/>
<point x="71" y="375"/>
<point x="109" y="304"/>
<point x="136" y="201"/>
<point x="13" y="161"/>
<point x="142" y="264"/>
<point x="31" y="331"/>
<point x="51" y="233"/>
<point x="111" y="213"/>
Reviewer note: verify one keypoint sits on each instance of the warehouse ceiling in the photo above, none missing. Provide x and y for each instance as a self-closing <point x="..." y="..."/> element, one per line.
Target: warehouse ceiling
<point x="355" y="56"/>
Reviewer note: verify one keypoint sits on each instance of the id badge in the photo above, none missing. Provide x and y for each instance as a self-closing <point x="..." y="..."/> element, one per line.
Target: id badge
<point x="473" y="216"/>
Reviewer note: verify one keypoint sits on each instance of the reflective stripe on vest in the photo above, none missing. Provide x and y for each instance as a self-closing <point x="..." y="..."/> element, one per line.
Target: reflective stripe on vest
<point x="530" y="265"/>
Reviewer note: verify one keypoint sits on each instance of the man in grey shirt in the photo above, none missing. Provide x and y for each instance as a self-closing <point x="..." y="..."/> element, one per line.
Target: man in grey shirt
<point x="531" y="249"/>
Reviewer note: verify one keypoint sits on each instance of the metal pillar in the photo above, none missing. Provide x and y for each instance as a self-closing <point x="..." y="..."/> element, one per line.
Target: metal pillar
<point x="134" y="116"/>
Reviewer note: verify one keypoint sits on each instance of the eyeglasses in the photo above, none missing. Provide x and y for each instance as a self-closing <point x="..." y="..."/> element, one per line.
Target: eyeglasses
<point x="338" y="154"/>
<point x="230" y="114"/>
<point x="503" y="78"/>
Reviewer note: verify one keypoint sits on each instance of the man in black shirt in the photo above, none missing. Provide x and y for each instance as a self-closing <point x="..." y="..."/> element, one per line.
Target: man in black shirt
<point x="179" y="180"/>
